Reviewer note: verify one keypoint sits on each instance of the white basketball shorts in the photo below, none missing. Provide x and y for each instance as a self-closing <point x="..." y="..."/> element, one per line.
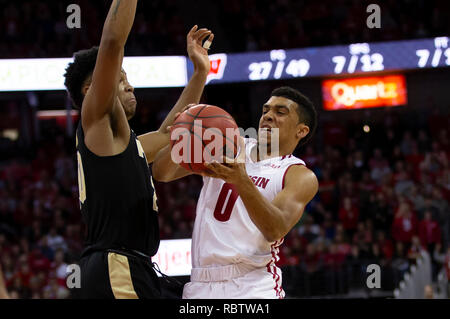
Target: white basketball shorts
<point x="234" y="282"/>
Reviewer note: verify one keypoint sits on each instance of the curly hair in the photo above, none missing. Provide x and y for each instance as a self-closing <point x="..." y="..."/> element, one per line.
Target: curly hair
<point x="77" y="72"/>
<point x="306" y="111"/>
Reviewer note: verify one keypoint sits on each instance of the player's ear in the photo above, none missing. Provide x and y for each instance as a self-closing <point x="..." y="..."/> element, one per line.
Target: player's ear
<point x="86" y="85"/>
<point x="302" y="130"/>
<point x="85" y="88"/>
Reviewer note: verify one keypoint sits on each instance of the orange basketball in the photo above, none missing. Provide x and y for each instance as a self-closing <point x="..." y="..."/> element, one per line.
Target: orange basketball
<point x="201" y="134"/>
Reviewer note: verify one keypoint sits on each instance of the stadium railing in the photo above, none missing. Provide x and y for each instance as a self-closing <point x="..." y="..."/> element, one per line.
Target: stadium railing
<point x="413" y="284"/>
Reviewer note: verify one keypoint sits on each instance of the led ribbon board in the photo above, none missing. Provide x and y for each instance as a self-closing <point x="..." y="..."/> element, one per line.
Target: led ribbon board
<point x="173" y="71"/>
<point x="174" y="257"/>
<point x="357" y="58"/>
<point x="48" y="74"/>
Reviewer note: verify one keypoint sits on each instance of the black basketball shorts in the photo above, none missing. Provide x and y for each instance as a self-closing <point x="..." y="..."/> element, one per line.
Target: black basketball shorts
<point x="116" y="275"/>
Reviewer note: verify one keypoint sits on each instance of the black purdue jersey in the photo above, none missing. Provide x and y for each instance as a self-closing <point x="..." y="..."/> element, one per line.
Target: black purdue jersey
<point x="117" y="199"/>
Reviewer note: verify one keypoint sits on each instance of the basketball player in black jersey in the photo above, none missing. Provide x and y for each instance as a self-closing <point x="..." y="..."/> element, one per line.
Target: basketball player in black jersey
<point x="117" y="198"/>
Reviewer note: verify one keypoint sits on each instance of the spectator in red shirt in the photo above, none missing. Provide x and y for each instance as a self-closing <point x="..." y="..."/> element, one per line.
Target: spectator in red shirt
<point x="326" y="189"/>
<point x="348" y="215"/>
<point x="405" y="224"/>
<point x="310" y="261"/>
<point x="334" y="259"/>
<point x="38" y="262"/>
<point x="429" y="232"/>
<point x="415" y="158"/>
<point x="287" y="257"/>
<point x="342" y="246"/>
<point x="23" y="270"/>
<point x="21" y="279"/>
<point x="297" y="243"/>
<point x="188" y="210"/>
<point x="385" y="244"/>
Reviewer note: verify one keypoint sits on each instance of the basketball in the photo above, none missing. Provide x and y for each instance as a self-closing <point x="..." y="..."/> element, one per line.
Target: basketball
<point x="201" y="134"/>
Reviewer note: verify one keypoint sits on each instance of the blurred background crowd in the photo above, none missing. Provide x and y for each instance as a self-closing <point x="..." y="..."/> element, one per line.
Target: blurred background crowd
<point x="380" y="201"/>
<point x="384" y="194"/>
<point x="34" y="28"/>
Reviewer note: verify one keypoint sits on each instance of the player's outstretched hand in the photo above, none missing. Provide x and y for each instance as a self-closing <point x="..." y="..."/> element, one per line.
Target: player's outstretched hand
<point x="196" y="51"/>
<point x="231" y="170"/>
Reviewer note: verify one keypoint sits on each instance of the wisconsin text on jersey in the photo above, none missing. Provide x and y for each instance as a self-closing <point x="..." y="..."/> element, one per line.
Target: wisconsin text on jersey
<point x="259" y="181"/>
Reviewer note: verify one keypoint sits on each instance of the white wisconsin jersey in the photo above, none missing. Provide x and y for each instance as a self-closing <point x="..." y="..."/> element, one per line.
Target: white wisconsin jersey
<point x="223" y="233"/>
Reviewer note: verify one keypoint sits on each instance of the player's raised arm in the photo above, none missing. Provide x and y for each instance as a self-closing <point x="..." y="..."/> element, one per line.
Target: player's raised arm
<point x="100" y="97"/>
<point x="200" y="59"/>
<point x="153" y="142"/>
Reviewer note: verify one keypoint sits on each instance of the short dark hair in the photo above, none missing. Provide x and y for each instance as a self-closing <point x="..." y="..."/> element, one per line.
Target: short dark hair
<point x="77" y="72"/>
<point x="306" y="111"/>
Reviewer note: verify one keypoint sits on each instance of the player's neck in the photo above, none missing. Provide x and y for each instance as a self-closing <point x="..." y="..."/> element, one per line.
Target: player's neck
<point x="260" y="154"/>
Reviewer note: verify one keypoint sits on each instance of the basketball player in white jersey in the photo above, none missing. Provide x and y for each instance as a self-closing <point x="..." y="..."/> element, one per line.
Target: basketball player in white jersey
<point x="246" y="207"/>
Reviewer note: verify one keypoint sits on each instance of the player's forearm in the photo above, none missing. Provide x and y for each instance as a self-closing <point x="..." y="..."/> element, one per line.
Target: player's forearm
<point x="191" y="95"/>
<point x="119" y="21"/>
<point x="164" y="169"/>
<point x="152" y="143"/>
<point x="265" y="215"/>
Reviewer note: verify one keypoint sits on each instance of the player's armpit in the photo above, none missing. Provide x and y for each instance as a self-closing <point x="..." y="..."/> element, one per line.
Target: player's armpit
<point x="300" y="187"/>
<point x="164" y="169"/>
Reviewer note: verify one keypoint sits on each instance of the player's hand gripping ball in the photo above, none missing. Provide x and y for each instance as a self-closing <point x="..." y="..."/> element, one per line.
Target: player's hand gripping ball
<point x="202" y="134"/>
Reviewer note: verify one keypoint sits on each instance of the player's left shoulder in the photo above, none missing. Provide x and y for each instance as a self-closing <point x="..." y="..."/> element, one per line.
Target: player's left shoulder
<point x="300" y="175"/>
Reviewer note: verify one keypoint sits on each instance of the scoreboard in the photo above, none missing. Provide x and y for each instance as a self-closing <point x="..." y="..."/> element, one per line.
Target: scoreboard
<point x="350" y="59"/>
<point x="174" y="71"/>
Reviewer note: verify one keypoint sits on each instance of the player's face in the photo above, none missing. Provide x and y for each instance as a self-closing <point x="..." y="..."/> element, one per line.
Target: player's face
<point x="279" y="112"/>
<point x="126" y="96"/>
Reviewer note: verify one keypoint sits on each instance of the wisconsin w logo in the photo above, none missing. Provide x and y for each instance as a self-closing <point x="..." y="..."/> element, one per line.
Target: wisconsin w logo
<point x="218" y="64"/>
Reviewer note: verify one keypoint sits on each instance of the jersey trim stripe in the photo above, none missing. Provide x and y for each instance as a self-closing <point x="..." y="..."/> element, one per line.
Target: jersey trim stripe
<point x="286" y="156"/>
<point x="120" y="277"/>
<point x="273" y="269"/>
